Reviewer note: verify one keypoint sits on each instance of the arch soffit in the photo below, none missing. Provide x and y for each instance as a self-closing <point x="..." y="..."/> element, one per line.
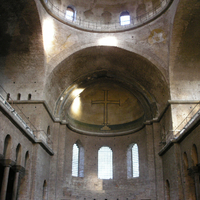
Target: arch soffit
<point x="182" y="18"/>
<point x="132" y="66"/>
<point x="65" y="54"/>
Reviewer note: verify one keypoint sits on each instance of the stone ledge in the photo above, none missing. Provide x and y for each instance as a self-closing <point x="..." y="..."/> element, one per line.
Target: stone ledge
<point x="26" y="133"/>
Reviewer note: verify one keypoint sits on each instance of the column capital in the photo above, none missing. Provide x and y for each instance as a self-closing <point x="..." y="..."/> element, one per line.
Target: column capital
<point x="18" y="168"/>
<point x="7" y="162"/>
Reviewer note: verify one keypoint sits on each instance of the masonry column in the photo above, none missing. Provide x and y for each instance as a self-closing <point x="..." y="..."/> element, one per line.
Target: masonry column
<point x="151" y="158"/>
<point x="196" y="180"/>
<point x="158" y="162"/>
<point x="177" y="161"/>
<point x="19" y="169"/>
<point x="194" y="172"/>
<point x="7" y="163"/>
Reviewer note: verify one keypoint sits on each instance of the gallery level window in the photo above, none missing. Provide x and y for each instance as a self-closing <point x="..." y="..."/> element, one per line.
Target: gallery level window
<point x="77" y="160"/>
<point x="133" y="161"/>
<point x="70" y="13"/>
<point x="105" y="163"/>
<point x="125" y="18"/>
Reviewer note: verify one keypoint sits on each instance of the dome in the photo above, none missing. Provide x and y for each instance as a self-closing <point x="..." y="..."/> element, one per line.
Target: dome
<point x="107" y="15"/>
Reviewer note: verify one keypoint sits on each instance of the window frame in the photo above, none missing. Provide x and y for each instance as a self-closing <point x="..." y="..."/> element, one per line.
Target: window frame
<point x="79" y="165"/>
<point x="131" y="173"/>
<point x="108" y="174"/>
<point x="70" y="17"/>
<point x="122" y="21"/>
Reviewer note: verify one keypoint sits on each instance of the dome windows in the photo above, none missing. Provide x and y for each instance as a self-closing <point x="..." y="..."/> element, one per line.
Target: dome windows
<point x="107" y="20"/>
<point x="125" y="18"/>
<point x="70" y="13"/>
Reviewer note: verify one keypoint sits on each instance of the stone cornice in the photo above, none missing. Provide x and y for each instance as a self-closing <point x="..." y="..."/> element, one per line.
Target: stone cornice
<point x="7" y="162"/>
<point x="184" y="101"/>
<point x="26" y="133"/>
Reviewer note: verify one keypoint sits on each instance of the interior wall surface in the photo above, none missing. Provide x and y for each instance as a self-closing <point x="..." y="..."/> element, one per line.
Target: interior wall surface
<point x="179" y="167"/>
<point x="90" y="186"/>
<point x="35" y="166"/>
<point x="21" y="52"/>
<point x="184" y="59"/>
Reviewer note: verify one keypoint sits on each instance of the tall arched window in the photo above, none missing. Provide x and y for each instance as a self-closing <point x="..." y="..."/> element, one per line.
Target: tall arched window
<point x="167" y="190"/>
<point x="29" y="96"/>
<point x="7" y="147"/>
<point x="133" y="161"/>
<point x="78" y="160"/>
<point x="8" y="96"/>
<point x="125" y="18"/>
<point x="189" y="183"/>
<point x="18" y="96"/>
<point x="75" y="159"/>
<point x="18" y="154"/>
<point x="26" y="159"/>
<point x="194" y="155"/>
<point x="44" y="195"/>
<point x="48" y="131"/>
<point x="105" y="163"/>
<point x="70" y="13"/>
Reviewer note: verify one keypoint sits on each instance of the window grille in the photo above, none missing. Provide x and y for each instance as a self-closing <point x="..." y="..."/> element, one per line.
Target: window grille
<point x="105" y="163"/>
<point x="70" y="14"/>
<point x="135" y="161"/>
<point x="125" y="18"/>
<point x="75" y="160"/>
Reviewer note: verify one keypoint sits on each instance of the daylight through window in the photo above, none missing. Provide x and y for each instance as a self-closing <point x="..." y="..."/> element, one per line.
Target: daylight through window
<point x="125" y="18"/>
<point x="132" y="161"/>
<point x="105" y="163"/>
<point x="75" y="160"/>
<point x="70" y="14"/>
<point x="135" y="161"/>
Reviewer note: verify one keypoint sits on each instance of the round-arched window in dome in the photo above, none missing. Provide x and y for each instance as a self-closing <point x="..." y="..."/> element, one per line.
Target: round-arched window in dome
<point x="125" y="18"/>
<point x="70" y="13"/>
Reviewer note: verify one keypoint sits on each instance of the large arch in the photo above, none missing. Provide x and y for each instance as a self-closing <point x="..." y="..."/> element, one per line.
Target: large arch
<point x="184" y="51"/>
<point x="97" y="69"/>
<point x="114" y="62"/>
